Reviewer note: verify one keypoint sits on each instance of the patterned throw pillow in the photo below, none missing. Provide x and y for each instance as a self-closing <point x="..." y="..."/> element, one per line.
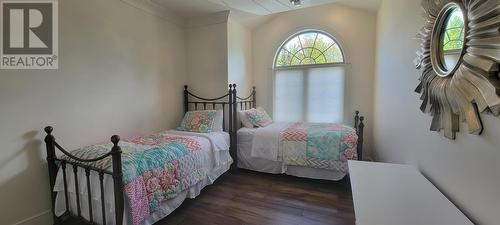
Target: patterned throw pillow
<point x="198" y="121"/>
<point x="244" y="119"/>
<point x="258" y="117"/>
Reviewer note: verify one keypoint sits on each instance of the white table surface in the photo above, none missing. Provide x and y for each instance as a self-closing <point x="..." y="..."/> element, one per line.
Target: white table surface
<point x="392" y="194"/>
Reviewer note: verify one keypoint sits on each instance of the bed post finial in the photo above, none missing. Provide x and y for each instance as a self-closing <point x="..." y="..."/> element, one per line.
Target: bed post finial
<point x="360" y="138"/>
<point x="115" y="139"/>
<point x="48" y="130"/>
<point x="50" y="142"/>
<point x="116" y="154"/>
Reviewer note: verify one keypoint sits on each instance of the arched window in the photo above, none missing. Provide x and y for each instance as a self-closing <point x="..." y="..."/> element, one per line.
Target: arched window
<point x="310" y="47"/>
<point x="309" y="79"/>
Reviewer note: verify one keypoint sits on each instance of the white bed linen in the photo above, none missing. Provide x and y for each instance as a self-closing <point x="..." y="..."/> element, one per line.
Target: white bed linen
<point x="217" y="162"/>
<point x="266" y="141"/>
<point x="247" y="161"/>
<point x="219" y="141"/>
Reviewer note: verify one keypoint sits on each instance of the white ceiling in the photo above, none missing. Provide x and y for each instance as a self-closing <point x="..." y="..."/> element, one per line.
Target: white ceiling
<point x="193" y="8"/>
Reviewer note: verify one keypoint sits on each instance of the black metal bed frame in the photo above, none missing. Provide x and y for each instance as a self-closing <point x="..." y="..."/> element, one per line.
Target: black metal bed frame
<point x="251" y="102"/>
<point x="229" y="105"/>
<point x="191" y="102"/>
<point x="195" y="102"/>
<point x="54" y="163"/>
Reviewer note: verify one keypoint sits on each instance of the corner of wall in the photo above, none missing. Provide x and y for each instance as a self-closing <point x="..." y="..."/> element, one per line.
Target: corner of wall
<point x="239" y="55"/>
<point x="376" y="75"/>
<point x="206" y="48"/>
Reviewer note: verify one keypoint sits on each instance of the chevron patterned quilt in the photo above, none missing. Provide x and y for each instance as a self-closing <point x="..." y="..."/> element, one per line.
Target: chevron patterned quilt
<point x="155" y="168"/>
<point x="318" y="145"/>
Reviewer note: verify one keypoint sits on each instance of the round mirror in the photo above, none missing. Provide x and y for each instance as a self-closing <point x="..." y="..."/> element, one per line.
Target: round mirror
<point x="453" y="55"/>
<point x="448" y="40"/>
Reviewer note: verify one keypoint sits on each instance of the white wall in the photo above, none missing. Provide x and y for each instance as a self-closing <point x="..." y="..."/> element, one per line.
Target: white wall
<point x="466" y="169"/>
<point x="353" y="28"/>
<point x="207" y="54"/>
<point x="121" y="72"/>
<point x="219" y="52"/>
<point x="239" y="47"/>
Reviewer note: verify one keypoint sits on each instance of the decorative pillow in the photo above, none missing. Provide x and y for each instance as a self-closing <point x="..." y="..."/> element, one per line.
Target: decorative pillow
<point x="258" y="117"/>
<point x="244" y="119"/>
<point x="198" y="121"/>
<point x="219" y="119"/>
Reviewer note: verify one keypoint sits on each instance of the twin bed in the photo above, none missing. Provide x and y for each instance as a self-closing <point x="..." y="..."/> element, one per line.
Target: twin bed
<point x="141" y="180"/>
<point x="310" y="150"/>
<point x="291" y="150"/>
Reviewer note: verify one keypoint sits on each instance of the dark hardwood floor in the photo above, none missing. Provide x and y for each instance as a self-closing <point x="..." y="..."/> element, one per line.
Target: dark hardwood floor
<point x="250" y="198"/>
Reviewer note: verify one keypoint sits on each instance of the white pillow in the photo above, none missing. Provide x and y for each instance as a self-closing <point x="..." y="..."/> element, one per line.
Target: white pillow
<point x="219" y="118"/>
<point x="258" y="117"/>
<point x="244" y="119"/>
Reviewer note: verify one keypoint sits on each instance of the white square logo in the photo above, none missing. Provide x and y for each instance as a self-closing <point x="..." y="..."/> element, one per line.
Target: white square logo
<point x="29" y="34"/>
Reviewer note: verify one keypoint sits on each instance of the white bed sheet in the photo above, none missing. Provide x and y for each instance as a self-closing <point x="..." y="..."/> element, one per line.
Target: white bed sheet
<point x="215" y="147"/>
<point x="246" y="161"/>
<point x="266" y="141"/>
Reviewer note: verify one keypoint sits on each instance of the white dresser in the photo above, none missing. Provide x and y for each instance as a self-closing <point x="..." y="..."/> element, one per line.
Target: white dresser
<point x="392" y="194"/>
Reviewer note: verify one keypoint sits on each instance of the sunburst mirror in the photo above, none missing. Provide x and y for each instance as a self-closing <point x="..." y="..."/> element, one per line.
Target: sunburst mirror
<point x="459" y="58"/>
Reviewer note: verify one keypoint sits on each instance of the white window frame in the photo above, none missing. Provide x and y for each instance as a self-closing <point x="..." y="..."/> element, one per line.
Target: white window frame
<point x="343" y="64"/>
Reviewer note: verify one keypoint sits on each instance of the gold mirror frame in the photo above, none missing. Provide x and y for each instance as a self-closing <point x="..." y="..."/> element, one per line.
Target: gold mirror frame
<point x="473" y="86"/>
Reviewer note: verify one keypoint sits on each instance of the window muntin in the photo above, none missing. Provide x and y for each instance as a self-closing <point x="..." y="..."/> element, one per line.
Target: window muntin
<point x="453" y="37"/>
<point x="309" y="48"/>
<point x="309" y="79"/>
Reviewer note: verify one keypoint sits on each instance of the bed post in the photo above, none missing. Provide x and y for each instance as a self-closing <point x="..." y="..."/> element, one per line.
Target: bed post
<point x="254" y="99"/>
<point x="361" y="127"/>
<point x="356" y="120"/>
<point x="186" y="96"/>
<point x="116" y="154"/>
<point x="230" y="113"/>
<point x="235" y="128"/>
<point x="51" y="159"/>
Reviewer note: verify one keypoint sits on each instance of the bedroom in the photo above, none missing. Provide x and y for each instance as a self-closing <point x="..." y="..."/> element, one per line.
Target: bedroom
<point x="121" y="70"/>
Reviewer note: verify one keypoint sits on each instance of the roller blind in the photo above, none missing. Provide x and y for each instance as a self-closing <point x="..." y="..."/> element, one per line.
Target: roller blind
<point x="310" y="94"/>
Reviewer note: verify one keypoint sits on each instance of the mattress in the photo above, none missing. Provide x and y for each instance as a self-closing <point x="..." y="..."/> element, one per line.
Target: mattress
<point x="216" y="163"/>
<point x="246" y="161"/>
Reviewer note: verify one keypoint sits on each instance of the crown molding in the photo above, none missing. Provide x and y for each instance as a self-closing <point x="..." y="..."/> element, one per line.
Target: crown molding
<point x="206" y="20"/>
<point x="156" y="10"/>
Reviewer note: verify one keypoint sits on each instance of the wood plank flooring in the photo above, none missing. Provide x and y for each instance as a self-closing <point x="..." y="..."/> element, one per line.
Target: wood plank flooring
<point x="251" y="198"/>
